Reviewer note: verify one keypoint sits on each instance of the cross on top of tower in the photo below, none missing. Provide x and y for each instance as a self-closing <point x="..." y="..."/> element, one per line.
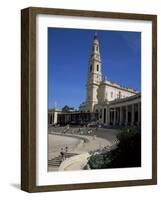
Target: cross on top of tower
<point x="95" y="35"/>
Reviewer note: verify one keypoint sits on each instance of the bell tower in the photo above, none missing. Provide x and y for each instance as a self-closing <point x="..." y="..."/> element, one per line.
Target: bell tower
<point x="94" y="75"/>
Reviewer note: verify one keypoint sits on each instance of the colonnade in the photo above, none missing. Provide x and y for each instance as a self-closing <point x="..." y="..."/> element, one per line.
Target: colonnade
<point x="123" y="113"/>
<point x="52" y="117"/>
<point x="128" y="115"/>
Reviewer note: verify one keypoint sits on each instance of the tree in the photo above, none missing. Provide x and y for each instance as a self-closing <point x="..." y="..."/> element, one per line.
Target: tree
<point x="66" y="108"/>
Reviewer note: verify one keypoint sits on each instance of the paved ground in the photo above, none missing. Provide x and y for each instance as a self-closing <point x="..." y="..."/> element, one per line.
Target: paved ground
<point x="78" y="141"/>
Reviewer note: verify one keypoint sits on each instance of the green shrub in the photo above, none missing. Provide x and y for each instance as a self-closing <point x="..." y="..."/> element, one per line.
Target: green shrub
<point x="127" y="153"/>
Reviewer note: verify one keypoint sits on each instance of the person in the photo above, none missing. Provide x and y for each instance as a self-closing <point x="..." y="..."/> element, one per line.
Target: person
<point x="66" y="151"/>
<point x="94" y="137"/>
<point x="62" y="154"/>
<point x="81" y="132"/>
<point x="68" y="126"/>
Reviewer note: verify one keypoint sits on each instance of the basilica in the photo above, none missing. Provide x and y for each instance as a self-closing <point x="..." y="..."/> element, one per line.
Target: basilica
<point x="106" y="103"/>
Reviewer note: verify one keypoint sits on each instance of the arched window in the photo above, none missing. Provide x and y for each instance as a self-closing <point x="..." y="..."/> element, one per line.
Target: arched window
<point x="97" y="67"/>
<point x="96" y="48"/>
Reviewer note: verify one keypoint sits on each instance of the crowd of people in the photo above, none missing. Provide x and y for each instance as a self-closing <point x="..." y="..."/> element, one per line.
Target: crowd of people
<point x="85" y="130"/>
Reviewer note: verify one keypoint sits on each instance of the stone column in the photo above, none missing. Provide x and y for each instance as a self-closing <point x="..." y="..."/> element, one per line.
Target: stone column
<point x="108" y="116"/>
<point x="139" y="114"/>
<point x="48" y="118"/>
<point x="116" y="116"/>
<point x="102" y="116"/>
<point x="114" y="121"/>
<point x="51" y="118"/>
<point x="126" y="120"/>
<point x="105" y="116"/>
<point x="132" y="114"/>
<point x="55" y="117"/>
<point x="121" y="114"/>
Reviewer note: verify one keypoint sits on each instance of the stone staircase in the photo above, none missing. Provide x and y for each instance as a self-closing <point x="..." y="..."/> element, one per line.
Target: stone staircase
<point x="55" y="162"/>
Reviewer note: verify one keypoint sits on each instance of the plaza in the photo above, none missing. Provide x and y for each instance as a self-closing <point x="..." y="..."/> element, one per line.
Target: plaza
<point x="82" y="142"/>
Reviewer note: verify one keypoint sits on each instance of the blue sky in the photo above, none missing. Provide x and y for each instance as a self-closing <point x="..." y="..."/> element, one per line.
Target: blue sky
<point x="68" y="55"/>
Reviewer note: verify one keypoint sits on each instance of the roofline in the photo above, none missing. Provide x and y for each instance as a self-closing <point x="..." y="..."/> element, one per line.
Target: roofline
<point x="125" y="99"/>
<point x="121" y="88"/>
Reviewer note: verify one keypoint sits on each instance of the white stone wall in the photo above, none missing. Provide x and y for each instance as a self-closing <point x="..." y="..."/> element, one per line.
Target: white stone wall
<point x="110" y="93"/>
<point x="92" y="93"/>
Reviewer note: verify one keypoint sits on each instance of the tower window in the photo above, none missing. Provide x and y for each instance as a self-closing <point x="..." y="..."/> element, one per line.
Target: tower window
<point x="111" y="94"/>
<point x="90" y="68"/>
<point x="96" y="48"/>
<point x="97" y="67"/>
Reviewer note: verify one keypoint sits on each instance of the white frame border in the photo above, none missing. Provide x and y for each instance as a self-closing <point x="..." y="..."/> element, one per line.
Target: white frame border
<point x="56" y="178"/>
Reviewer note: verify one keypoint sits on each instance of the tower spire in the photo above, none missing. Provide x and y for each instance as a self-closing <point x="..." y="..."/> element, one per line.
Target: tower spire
<point x="95" y="35"/>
